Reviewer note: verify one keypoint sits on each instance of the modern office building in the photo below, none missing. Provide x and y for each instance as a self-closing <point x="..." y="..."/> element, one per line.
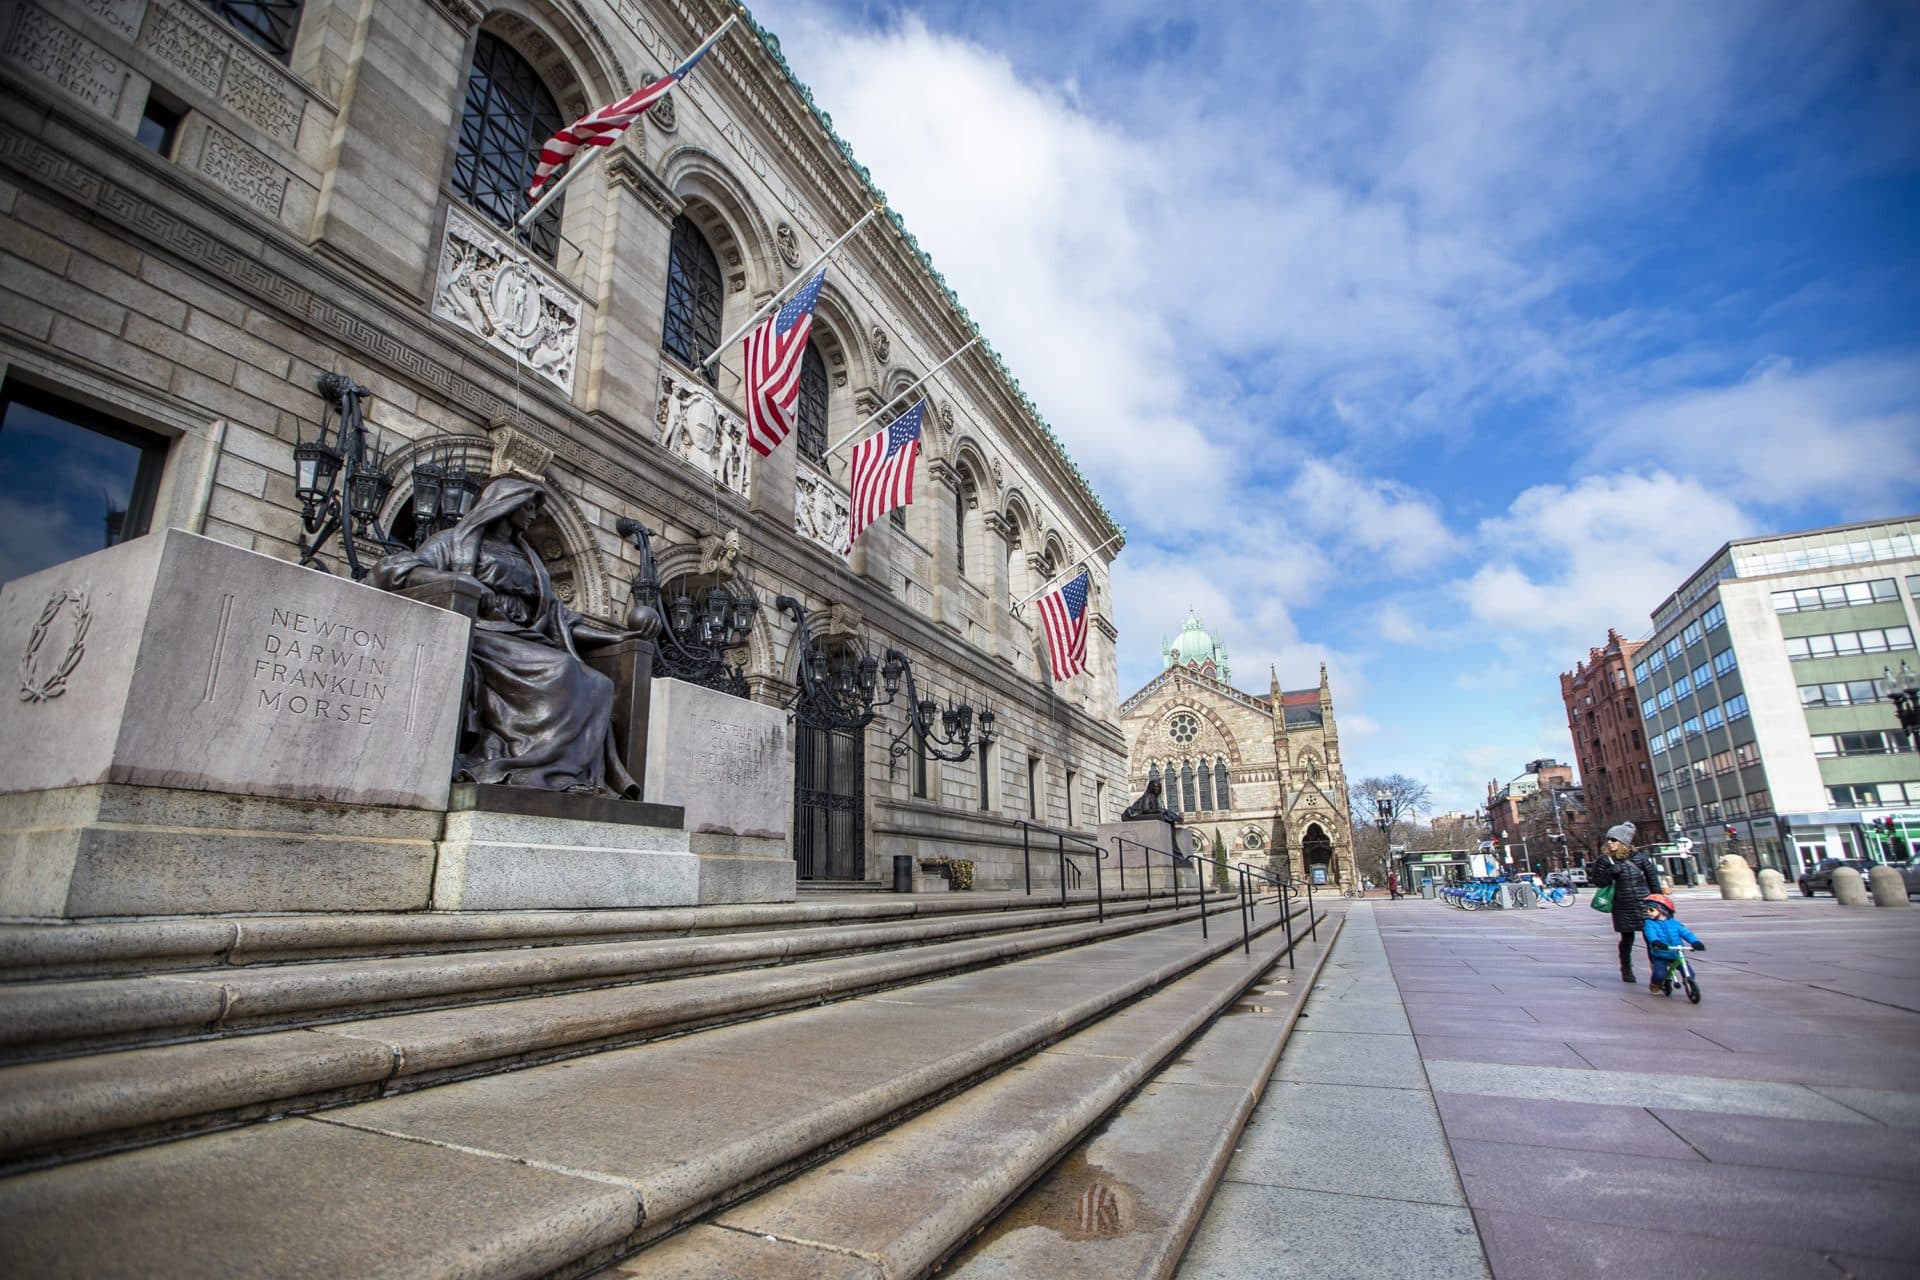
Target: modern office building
<point x="1757" y="691"/>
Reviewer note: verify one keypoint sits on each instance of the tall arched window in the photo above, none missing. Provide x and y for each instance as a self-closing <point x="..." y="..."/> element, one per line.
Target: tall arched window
<point x="1153" y="776"/>
<point x="1220" y="792"/>
<point x="270" y="24"/>
<point x="692" y="325"/>
<point x="960" y="527"/>
<point x="509" y="116"/>
<point x="1206" y="787"/>
<point x="1186" y="787"/>
<point x="813" y="404"/>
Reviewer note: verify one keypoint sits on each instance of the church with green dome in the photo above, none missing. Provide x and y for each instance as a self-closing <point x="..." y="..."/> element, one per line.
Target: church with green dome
<point x="1262" y="772"/>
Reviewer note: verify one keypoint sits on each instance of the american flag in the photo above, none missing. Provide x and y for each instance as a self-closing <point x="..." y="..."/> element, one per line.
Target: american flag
<point x="881" y="471"/>
<point x="603" y="128"/>
<point x="774" y="353"/>
<point x="1063" y="615"/>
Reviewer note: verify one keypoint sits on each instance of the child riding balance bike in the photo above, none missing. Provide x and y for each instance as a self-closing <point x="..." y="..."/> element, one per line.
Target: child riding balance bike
<point x="1665" y="933"/>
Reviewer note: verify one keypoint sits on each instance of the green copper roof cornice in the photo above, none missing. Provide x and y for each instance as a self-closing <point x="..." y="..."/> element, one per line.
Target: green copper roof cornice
<point x="771" y="43"/>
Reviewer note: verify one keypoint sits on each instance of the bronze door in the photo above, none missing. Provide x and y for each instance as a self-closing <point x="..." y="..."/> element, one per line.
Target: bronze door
<point x="829" y="803"/>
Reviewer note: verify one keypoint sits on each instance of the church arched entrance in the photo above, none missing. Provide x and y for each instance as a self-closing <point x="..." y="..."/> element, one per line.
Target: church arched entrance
<point x="1317" y="850"/>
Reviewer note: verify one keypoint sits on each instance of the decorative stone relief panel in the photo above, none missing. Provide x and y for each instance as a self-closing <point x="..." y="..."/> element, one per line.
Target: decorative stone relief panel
<point x="819" y="509"/>
<point x="43" y="44"/>
<point x="789" y="243"/>
<point x="515" y="453"/>
<point x="501" y="296"/>
<point x="703" y="433"/>
<point x="243" y="172"/>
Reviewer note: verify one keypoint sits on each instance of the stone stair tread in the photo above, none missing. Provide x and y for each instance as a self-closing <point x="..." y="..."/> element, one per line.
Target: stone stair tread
<point x="51" y="950"/>
<point x="228" y="1204"/>
<point x="682" y="1124"/>
<point x="110" y="1098"/>
<point x="899" y="1203"/>
<point x="39" y="1016"/>
<point x="1126" y="1201"/>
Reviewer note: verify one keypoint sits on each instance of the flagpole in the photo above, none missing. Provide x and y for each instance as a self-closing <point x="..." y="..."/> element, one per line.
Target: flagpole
<point x="774" y="301"/>
<point x="580" y="162"/>
<point x="1061" y="577"/>
<point x="899" y="396"/>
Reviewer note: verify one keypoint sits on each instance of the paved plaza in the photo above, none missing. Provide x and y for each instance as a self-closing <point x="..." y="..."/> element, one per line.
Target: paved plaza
<point x="1506" y="1075"/>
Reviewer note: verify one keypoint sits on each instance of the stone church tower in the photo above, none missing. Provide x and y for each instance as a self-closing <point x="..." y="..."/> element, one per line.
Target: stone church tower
<point x="1263" y="772"/>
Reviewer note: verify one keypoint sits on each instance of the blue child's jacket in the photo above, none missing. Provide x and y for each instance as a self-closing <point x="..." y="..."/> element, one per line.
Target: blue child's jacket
<point x="1665" y="936"/>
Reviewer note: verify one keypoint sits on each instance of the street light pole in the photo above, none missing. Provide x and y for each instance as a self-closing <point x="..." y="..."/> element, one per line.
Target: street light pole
<point x="1903" y="691"/>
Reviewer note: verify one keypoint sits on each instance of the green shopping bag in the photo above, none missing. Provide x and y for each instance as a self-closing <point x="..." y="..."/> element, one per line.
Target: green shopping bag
<point x="1603" y="900"/>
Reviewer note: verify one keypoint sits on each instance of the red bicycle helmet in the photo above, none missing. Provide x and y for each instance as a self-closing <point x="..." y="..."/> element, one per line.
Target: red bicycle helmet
<point x="1663" y="902"/>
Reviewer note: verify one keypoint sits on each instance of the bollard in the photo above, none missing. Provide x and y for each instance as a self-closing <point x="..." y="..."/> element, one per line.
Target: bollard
<point x="1773" y="885"/>
<point x="1849" y="887"/>
<point x="1736" y="879"/>
<point x="1889" y="890"/>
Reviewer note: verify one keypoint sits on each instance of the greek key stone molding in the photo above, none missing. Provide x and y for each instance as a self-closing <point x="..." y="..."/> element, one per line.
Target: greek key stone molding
<point x="43" y="44"/>
<point x="702" y="432"/>
<point x="243" y="172"/>
<point x="819" y="508"/>
<point x="491" y="290"/>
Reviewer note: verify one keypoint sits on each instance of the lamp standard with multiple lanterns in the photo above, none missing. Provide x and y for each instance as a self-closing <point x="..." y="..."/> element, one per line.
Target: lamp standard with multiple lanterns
<point x="1903" y="691"/>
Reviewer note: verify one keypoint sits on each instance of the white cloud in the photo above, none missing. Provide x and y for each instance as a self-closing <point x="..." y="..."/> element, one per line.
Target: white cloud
<point x="1379" y="521"/>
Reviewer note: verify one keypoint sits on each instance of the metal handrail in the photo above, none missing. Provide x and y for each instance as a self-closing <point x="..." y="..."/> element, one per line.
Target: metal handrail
<point x="1283" y="895"/>
<point x="1121" y="842"/>
<point x="1060" y="846"/>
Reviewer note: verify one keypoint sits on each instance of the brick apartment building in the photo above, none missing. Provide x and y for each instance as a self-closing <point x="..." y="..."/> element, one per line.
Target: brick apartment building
<point x="1609" y="746"/>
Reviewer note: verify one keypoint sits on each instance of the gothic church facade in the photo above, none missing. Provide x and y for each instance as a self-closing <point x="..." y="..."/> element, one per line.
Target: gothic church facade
<point x="1263" y="773"/>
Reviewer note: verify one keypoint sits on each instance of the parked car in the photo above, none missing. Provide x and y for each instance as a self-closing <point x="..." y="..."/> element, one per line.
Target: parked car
<point x="1820" y="879"/>
<point x="1909" y="872"/>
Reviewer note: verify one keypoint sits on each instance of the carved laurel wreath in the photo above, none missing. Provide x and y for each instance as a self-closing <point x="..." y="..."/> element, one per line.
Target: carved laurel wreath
<point x="33" y="686"/>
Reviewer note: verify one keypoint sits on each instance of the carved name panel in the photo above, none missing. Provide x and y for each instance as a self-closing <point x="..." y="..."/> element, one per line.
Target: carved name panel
<point x="188" y="43"/>
<point x="702" y="432"/>
<point x="243" y="172"/>
<point x="254" y="94"/>
<point x="122" y="17"/>
<point x="49" y="47"/>
<point x="488" y="288"/>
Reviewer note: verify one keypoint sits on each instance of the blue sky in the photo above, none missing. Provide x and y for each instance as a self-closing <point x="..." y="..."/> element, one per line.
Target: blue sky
<point x="1425" y="340"/>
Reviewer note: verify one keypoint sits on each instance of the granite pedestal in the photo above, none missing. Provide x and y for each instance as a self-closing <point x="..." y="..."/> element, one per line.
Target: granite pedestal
<point x="1132" y="862"/>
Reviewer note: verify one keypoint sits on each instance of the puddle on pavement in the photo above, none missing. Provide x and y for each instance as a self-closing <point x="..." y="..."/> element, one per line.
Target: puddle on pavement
<point x="1079" y="1201"/>
<point x="1248" y="1008"/>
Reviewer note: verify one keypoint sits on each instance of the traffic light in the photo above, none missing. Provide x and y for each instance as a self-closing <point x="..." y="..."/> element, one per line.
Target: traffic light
<point x="1731" y="833"/>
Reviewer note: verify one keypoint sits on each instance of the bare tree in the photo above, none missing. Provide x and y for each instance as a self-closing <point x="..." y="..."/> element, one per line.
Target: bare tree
<point x="1372" y="849"/>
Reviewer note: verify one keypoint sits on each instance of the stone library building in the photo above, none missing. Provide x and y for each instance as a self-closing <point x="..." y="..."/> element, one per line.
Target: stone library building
<point x="231" y="229"/>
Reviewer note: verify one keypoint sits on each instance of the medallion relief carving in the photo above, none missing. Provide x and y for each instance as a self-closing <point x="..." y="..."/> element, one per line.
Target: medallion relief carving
<point x="499" y="295"/>
<point x="789" y="243"/>
<point x="703" y="433"/>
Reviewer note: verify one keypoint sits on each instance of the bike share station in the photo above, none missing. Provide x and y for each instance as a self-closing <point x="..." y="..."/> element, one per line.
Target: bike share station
<point x="1425" y="870"/>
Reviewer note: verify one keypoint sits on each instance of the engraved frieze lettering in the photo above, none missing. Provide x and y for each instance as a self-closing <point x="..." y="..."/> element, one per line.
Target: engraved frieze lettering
<point x="499" y="295"/>
<point x="316" y="667"/>
<point x="188" y="43"/>
<point x="731" y="753"/>
<point x="44" y="44"/>
<point x="256" y="97"/>
<point x="243" y="172"/>
<point x="703" y="433"/>
<point x="122" y="17"/>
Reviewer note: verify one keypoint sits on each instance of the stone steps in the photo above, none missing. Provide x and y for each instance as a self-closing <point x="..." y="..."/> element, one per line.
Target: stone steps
<point x="45" y="1019"/>
<point x="902" y="1203"/>
<point x="64" y="1107"/>
<point x="562" y="1167"/>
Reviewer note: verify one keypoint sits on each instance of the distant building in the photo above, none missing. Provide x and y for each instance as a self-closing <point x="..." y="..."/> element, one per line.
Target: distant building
<point x="1261" y="772"/>
<point x="1603" y="715"/>
<point x="1538" y="820"/>
<point x="1757" y="692"/>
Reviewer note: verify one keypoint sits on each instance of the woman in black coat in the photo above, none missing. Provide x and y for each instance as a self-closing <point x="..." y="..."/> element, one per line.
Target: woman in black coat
<point x="1633" y="876"/>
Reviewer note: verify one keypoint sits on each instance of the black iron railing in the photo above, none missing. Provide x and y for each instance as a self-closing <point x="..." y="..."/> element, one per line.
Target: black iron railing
<point x="1283" y="895"/>
<point x="1066" y="863"/>
<point x="1175" y="860"/>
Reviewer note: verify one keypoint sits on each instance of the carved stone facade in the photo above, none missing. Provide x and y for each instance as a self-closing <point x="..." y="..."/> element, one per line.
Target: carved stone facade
<point x="295" y="227"/>
<point x="1263" y="773"/>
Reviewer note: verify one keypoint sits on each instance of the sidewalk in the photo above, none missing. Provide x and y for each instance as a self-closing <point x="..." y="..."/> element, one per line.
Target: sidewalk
<point x="1599" y="1130"/>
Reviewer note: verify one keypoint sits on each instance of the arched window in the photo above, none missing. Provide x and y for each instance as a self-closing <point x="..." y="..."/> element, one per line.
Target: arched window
<point x="1220" y="792"/>
<point x="509" y="116"/>
<point x="960" y="527"/>
<point x="813" y="404"/>
<point x="1186" y="787"/>
<point x="270" y="24"/>
<point x="692" y="325"/>
<point x="1153" y="776"/>
<point x="1206" y="787"/>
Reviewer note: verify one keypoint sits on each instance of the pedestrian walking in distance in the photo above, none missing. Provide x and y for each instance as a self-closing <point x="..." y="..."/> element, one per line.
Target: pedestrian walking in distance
<point x="1633" y="877"/>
